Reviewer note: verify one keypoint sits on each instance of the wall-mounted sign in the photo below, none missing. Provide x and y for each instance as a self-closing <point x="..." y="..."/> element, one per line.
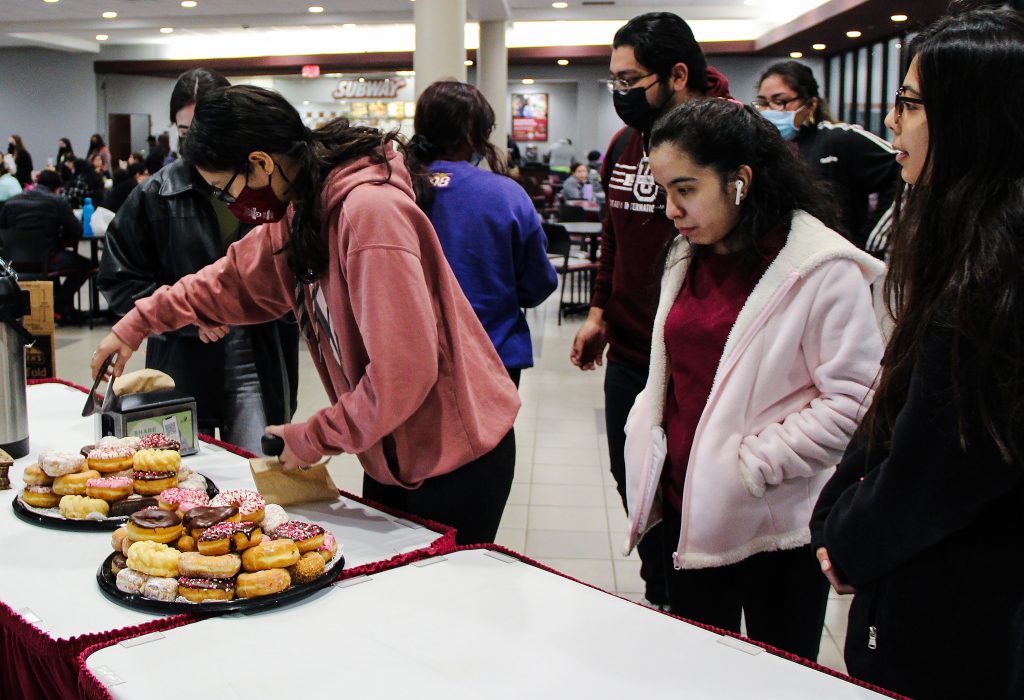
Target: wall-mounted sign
<point x="530" y="116"/>
<point x="378" y="87"/>
<point x="311" y="71"/>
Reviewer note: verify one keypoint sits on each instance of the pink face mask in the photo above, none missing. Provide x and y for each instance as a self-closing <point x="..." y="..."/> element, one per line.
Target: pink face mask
<point x="259" y="206"/>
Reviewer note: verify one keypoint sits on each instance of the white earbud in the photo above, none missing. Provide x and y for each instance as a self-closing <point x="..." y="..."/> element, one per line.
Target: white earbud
<point x="739" y="191"/>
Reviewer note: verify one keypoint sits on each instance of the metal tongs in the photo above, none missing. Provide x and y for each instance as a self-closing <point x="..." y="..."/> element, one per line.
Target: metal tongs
<point x="93" y="402"/>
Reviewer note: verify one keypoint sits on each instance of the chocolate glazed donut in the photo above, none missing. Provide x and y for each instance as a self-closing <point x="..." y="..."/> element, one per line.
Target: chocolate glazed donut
<point x="153" y="518"/>
<point x="130" y="505"/>
<point x="202" y="517"/>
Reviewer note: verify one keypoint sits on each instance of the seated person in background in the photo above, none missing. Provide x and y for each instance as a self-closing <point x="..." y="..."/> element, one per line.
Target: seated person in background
<point x="578" y="185"/>
<point x="43" y="210"/>
<point x="594" y="163"/>
<point x="124" y="182"/>
<point x="9" y="185"/>
<point x="136" y="157"/>
<point x="84" y="182"/>
<point x="561" y="157"/>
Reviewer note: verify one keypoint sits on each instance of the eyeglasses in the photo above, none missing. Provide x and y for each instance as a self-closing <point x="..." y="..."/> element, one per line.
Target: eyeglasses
<point x="775" y="104"/>
<point x="901" y="101"/>
<point x="624" y="85"/>
<point x="224" y="193"/>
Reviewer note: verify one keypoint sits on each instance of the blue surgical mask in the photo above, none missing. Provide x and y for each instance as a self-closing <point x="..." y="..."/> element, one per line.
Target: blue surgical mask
<point x="783" y="121"/>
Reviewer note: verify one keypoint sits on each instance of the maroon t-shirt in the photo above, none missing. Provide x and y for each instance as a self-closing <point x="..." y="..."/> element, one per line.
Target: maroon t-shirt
<point x="696" y="330"/>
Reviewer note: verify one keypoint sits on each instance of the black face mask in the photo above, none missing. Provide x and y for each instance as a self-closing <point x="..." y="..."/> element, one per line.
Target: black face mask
<point x="634" y="109"/>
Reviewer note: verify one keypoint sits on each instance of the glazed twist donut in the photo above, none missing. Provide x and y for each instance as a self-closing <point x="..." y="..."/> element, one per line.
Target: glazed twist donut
<point x="157" y="461"/>
<point x="81" y="507"/>
<point x="154" y="559"/>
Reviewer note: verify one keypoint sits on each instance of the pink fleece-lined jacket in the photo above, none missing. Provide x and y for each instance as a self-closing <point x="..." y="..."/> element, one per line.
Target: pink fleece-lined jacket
<point x="415" y="385"/>
<point x="791" y="386"/>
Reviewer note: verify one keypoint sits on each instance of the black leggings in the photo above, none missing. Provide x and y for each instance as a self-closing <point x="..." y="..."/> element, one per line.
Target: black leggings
<point x="471" y="498"/>
<point x="782" y="594"/>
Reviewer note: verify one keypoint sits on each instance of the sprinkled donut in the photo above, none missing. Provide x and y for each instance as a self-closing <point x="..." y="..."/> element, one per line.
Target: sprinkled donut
<point x="250" y="504"/>
<point x="307" y="536"/>
<point x="111" y="488"/>
<point x="111" y="458"/>
<point x="228" y="536"/>
<point x="175" y="498"/>
<point x="158" y="441"/>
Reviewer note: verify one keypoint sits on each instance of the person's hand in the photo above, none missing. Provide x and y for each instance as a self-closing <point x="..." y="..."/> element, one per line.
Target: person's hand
<point x="289" y="462"/>
<point x="830" y="573"/>
<point x="211" y="334"/>
<point x="111" y="345"/>
<point x="588" y="345"/>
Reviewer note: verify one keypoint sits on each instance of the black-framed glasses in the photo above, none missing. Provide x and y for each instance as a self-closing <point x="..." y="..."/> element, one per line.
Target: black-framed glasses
<point x="901" y="101"/>
<point x="776" y="104"/>
<point x="224" y="193"/>
<point x="624" y="85"/>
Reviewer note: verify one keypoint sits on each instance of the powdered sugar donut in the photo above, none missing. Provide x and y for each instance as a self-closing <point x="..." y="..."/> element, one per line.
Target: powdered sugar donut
<point x="192" y="481"/>
<point x="131" y="581"/>
<point x="250" y="504"/>
<point x="56" y="463"/>
<point x="159" y="588"/>
<point x="273" y="518"/>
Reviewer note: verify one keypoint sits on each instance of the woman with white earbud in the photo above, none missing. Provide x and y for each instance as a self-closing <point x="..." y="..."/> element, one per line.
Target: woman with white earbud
<point x="764" y="351"/>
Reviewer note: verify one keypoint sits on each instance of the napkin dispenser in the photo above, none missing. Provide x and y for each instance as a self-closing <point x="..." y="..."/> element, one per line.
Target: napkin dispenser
<point x="166" y="411"/>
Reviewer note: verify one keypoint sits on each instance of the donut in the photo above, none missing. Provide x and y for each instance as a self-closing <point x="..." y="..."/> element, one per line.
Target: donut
<point x="119" y="562"/>
<point x="132" y="504"/>
<point x="202" y="566"/>
<point x="35" y="476"/>
<point x="262" y="583"/>
<point x="56" y="463"/>
<point x="173" y="498"/>
<point x="73" y="484"/>
<point x="117" y="538"/>
<point x="198" y="590"/>
<point x="198" y="519"/>
<point x="158" y="441"/>
<point x="80" y="507"/>
<point x="154" y="559"/>
<point x="250" y="504"/>
<point x="329" y="548"/>
<point x="108" y="459"/>
<point x="309" y="567"/>
<point x="226" y="537"/>
<point x="40" y="497"/>
<point x="157" y="461"/>
<point x="276" y="554"/>
<point x="154" y="525"/>
<point x="191" y="481"/>
<point x="126" y="544"/>
<point x="307" y="536"/>
<point x="111" y="488"/>
<point x="152" y="483"/>
<point x="130" y="581"/>
<point x="185" y="543"/>
<point x="161" y="588"/>
<point x="273" y="518"/>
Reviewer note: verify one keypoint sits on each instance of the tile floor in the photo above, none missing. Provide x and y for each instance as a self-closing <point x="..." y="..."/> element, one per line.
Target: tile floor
<point x="563" y="510"/>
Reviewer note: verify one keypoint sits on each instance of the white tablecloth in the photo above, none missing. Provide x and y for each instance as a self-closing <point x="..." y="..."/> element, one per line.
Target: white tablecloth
<point x="51" y="574"/>
<point x="466" y="626"/>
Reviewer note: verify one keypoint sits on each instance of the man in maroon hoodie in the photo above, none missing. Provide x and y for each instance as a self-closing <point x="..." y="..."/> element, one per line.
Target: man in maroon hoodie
<point x="656" y="64"/>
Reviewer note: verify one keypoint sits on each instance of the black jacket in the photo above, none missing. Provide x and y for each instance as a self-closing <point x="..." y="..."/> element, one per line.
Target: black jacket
<point x="41" y="210"/>
<point x="930" y="537"/>
<point x="166" y="229"/>
<point x="857" y="164"/>
<point x="117" y="194"/>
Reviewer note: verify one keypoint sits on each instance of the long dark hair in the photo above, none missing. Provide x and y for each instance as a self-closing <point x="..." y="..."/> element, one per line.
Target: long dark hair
<point x="724" y="135"/>
<point x="191" y="86"/>
<point x="230" y="123"/>
<point x="662" y="39"/>
<point x="958" y="243"/>
<point x="800" y="79"/>
<point x="452" y="117"/>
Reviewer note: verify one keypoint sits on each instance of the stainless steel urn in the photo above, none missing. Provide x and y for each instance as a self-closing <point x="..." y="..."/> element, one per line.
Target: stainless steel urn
<point x="14" y="305"/>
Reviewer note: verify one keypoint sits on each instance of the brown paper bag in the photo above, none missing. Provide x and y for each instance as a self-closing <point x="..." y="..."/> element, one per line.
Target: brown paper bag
<point x="300" y="486"/>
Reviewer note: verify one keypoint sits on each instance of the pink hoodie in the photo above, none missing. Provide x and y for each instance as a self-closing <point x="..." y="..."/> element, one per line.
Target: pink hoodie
<point x="792" y="383"/>
<point x="415" y="385"/>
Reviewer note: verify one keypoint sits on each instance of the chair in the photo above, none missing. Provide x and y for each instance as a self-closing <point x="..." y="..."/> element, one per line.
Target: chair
<point x="28" y="251"/>
<point x="577" y="276"/>
<point x="570" y="213"/>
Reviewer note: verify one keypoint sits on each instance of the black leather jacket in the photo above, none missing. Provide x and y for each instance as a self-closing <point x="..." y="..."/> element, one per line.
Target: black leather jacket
<point x="166" y="229"/>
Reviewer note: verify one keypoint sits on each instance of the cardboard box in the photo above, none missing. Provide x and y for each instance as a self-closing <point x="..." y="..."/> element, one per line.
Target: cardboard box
<point x="41" y="358"/>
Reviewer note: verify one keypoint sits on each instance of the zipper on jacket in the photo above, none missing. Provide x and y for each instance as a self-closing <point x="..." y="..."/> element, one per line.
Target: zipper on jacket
<point x="872" y="637"/>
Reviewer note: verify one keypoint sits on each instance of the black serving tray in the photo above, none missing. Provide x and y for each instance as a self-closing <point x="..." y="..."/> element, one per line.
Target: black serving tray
<point x="51" y="517"/>
<point x="108" y="585"/>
